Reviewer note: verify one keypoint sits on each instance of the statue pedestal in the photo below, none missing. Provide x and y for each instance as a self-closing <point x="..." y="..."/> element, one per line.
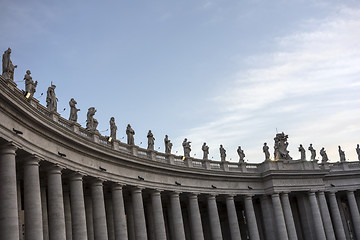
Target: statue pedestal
<point x="54" y="116"/>
<point x="224" y="166"/>
<point x="134" y="150"/>
<point x="11" y="84"/>
<point x="170" y="159"/>
<point x="325" y="166"/>
<point x="115" y="144"/>
<point x="242" y="166"/>
<point x="33" y="101"/>
<point x="206" y="164"/>
<point x="95" y="136"/>
<point x="75" y="127"/>
<point x="188" y="162"/>
<point x="151" y="154"/>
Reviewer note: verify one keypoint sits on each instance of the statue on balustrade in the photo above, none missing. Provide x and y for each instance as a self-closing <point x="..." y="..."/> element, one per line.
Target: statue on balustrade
<point x="342" y="155"/>
<point x="151" y="140"/>
<point x="130" y="135"/>
<point x="91" y="122"/>
<point x="51" y="100"/>
<point x="241" y="154"/>
<point x="8" y="68"/>
<point x="113" y="128"/>
<point x="323" y="155"/>
<point x="222" y="153"/>
<point x="187" y="148"/>
<point x="280" y="147"/>
<point x="313" y="152"/>
<point x="30" y="85"/>
<point x="73" y="110"/>
<point x="205" y="150"/>
<point x="168" y="145"/>
<point x="302" y="153"/>
<point x="358" y="151"/>
<point x="266" y="151"/>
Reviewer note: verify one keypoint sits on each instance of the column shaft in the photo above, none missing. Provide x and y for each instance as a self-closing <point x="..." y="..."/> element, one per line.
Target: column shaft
<point x="139" y="214"/>
<point x="354" y="212"/>
<point x="251" y="219"/>
<point x="109" y="217"/>
<point x="214" y="218"/>
<point x="56" y="214"/>
<point x="232" y="218"/>
<point x="158" y="215"/>
<point x="67" y="212"/>
<point x="32" y="200"/>
<point x="289" y="219"/>
<point x="99" y="216"/>
<point x="44" y="213"/>
<point x="89" y="217"/>
<point x="9" y="223"/>
<point x="319" y="227"/>
<point x="120" y="227"/>
<point x="78" y="214"/>
<point x="177" y="218"/>
<point x="279" y="217"/>
<point x="268" y="216"/>
<point x="329" y="230"/>
<point x="335" y="213"/>
<point x="195" y="218"/>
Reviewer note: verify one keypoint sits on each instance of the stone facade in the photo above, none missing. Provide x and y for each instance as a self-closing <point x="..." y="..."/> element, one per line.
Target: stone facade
<point x="60" y="181"/>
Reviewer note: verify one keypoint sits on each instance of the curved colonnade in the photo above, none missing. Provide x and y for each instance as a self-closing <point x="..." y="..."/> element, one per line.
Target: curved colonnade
<point x="58" y="181"/>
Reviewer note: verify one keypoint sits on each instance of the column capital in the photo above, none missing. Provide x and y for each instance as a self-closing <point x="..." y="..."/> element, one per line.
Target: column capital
<point x="117" y="186"/>
<point x="55" y="169"/>
<point x="76" y="176"/>
<point x="32" y="160"/>
<point x="175" y="194"/>
<point x="211" y="196"/>
<point x="275" y="194"/>
<point x="230" y="196"/>
<point x="155" y="192"/>
<point x="193" y="195"/>
<point x="9" y="148"/>
<point x="97" y="182"/>
<point x="136" y="189"/>
<point x="248" y="196"/>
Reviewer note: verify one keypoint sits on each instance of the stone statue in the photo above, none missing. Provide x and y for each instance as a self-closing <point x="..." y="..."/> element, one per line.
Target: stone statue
<point x="151" y="140"/>
<point x="205" y="150"/>
<point x="30" y="85"/>
<point x="222" y="153"/>
<point x="130" y="135"/>
<point x="280" y="147"/>
<point x="187" y="148"/>
<point x="113" y="128"/>
<point x="91" y="122"/>
<point x="323" y="155"/>
<point x="313" y="152"/>
<point x="302" y="153"/>
<point x="342" y="155"/>
<point x="241" y="154"/>
<point x="7" y="66"/>
<point x="266" y="152"/>
<point x="168" y="145"/>
<point x="358" y="151"/>
<point x="51" y="100"/>
<point x="73" y="110"/>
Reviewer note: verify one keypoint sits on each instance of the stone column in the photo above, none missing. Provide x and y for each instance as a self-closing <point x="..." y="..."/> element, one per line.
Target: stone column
<point x="177" y="218"/>
<point x="32" y="199"/>
<point x="20" y="213"/>
<point x="67" y="212"/>
<point x="99" y="216"/>
<point x="158" y="214"/>
<point x="232" y="217"/>
<point x="289" y="219"/>
<point x="78" y="214"/>
<point x="251" y="219"/>
<point x="354" y="210"/>
<point x="120" y="226"/>
<point x="319" y="227"/>
<point x="195" y="218"/>
<point x="329" y="230"/>
<point x="89" y="216"/>
<point x="44" y="211"/>
<point x="139" y="215"/>
<point x="214" y="218"/>
<point x="109" y="216"/>
<point x="56" y="214"/>
<point x="279" y="217"/>
<point x="268" y="216"/>
<point x="9" y="223"/>
<point x="335" y="213"/>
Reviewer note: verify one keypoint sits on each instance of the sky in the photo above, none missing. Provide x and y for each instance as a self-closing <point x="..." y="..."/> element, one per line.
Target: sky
<point x="230" y="72"/>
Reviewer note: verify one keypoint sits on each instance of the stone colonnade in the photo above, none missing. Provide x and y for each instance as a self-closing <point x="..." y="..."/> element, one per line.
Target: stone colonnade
<point x="62" y="204"/>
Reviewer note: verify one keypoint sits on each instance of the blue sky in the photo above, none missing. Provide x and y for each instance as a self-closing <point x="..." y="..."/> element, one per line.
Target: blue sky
<point x="221" y="72"/>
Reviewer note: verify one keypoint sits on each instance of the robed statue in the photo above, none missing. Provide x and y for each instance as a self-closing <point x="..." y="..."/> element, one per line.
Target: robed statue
<point x="280" y="147"/>
<point x="73" y="110"/>
<point x="8" y="67"/>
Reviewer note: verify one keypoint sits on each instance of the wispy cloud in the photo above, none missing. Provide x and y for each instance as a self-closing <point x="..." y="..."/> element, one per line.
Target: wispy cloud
<point x="308" y="87"/>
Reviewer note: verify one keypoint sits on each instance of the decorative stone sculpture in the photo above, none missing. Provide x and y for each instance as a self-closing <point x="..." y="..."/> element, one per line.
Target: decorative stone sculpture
<point x="130" y="135"/>
<point x="222" y="153"/>
<point x="266" y="152"/>
<point x="358" y="151"/>
<point x="323" y="155"/>
<point x="51" y="100"/>
<point x="30" y="85"/>
<point x="241" y="154"/>
<point x="205" y="150"/>
<point x="113" y="128"/>
<point x="187" y="148"/>
<point x="342" y="155"/>
<point x="73" y="110"/>
<point x="151" y="140"/>
<point x="168" y="145"/>
<point x="7" y="66"/>
<point x="280" y="147"/>
<point x="91" y="122"/>
<point x="313" y="152"/>
<point x="302" y="153"/>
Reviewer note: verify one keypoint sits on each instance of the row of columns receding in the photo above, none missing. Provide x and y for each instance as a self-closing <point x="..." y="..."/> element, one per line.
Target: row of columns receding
<point x="63" y="206"/>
